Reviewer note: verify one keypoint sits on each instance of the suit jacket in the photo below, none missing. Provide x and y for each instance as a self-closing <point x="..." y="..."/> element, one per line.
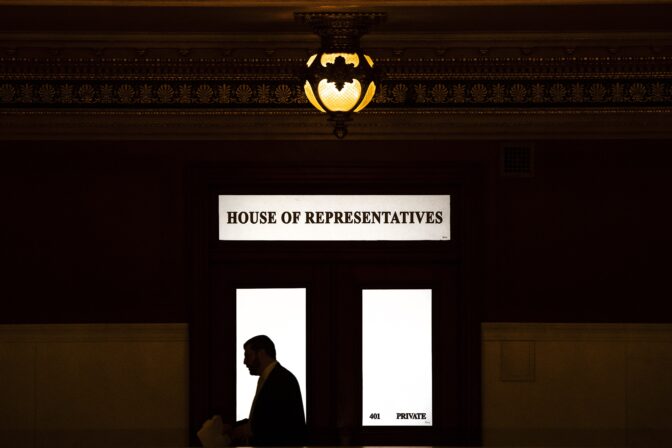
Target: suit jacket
<point x="277" y="418"/>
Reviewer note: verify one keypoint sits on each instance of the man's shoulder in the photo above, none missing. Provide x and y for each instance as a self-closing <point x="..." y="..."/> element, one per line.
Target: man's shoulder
<point x="281" y="372"/>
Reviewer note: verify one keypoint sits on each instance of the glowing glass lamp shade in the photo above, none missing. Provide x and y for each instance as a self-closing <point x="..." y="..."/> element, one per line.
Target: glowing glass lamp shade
<point x="340" y="82"/>
<point x="340" y="78"/>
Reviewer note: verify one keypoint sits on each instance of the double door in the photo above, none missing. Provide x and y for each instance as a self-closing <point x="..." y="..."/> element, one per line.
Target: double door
<point x="380" y="346"/>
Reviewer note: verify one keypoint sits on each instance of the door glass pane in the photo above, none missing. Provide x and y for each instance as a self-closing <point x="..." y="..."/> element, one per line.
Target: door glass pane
<point x="397" y="357"/>
<point x="280" y="314"/>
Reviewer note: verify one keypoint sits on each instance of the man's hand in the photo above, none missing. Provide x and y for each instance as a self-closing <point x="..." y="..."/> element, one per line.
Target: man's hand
<point x="241" y="433"/>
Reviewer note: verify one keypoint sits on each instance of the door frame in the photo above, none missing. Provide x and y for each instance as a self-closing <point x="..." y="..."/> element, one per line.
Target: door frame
<point x="463" y="181"/>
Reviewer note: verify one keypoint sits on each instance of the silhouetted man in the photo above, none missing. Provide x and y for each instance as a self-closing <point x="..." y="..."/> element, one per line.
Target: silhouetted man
<point x="276" y="417"/>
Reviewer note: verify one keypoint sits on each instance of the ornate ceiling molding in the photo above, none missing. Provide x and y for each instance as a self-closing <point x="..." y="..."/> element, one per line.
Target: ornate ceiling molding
<point x="443" y="83"/>
<point x="270" y="82"/>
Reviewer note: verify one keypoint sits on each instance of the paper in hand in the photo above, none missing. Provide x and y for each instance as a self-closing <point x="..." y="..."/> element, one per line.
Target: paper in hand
<point x="212" y="434"/>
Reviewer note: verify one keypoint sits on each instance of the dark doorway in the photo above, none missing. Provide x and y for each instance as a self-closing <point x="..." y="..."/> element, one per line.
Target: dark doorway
<point x="334" y="275"/>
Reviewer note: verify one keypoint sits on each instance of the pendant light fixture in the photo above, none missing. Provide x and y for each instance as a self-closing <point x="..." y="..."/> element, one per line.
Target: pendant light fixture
<point x="340" y="79"/>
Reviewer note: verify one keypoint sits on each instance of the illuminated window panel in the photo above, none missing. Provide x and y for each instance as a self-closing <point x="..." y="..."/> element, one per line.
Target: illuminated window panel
<point x="281" y="315"/>
<point x="397" y="357"/>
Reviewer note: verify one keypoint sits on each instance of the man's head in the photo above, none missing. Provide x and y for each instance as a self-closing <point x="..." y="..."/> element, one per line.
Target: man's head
<point x="259" y="353"/>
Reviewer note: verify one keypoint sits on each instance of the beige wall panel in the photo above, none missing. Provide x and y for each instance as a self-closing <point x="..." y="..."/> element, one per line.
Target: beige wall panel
<point x="650" y="394"/>
<point x="101" y="385"/>
<point x="517" y="361"/>
<point x="129" y="393"/>
<point x="574" y="399"/>
<point x="112" y="385"/>
<point x="582" y="393"/>
<point x="577" y="384"/>
<point x="117" y="438"/>
<point x="17" y="393"/>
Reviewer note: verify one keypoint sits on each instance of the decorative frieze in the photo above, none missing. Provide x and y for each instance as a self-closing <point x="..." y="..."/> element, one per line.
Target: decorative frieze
<point x="525" y="93"/>
<point x="185" y="94"/>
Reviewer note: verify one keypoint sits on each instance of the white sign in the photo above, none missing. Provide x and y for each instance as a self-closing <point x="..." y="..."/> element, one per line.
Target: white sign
<point x="334" y="218"/>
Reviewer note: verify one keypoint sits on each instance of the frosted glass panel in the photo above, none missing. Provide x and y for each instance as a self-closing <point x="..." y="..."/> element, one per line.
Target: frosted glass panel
<point x="397" y="357"/>
<point x="281" y="315"/>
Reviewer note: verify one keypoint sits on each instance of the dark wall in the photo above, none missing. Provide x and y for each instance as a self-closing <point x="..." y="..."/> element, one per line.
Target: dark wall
<point x="588" y="238"/>
<point x="97" y="231"/>
<point x="90" y="234"/>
